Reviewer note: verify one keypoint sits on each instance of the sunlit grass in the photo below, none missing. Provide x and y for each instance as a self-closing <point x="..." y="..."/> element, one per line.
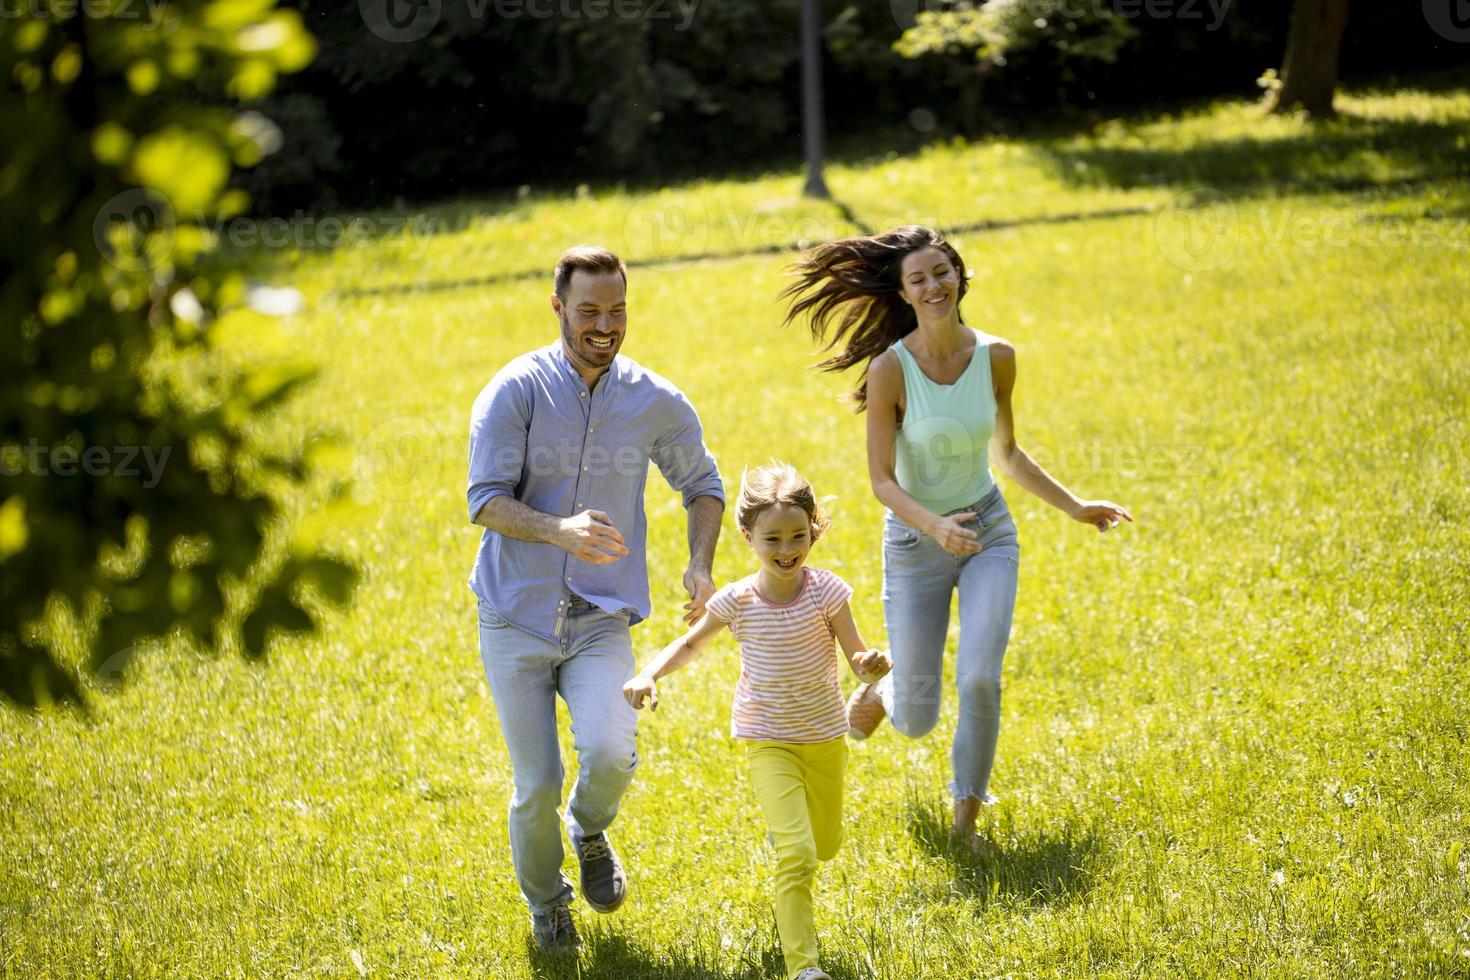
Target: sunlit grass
<point x="1234" y="733"/>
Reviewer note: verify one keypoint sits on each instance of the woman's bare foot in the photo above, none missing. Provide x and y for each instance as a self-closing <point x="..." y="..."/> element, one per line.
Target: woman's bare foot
<point x="966" y="810"/>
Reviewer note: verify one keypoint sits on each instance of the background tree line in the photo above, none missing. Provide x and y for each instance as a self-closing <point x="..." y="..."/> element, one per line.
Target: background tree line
<point x="493" y="95"/>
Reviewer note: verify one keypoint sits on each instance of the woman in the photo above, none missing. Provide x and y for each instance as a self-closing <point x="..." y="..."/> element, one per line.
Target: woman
<point x="937" y="396"/>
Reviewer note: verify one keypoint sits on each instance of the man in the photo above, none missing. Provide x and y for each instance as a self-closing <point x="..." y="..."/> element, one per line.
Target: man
<point x="560" y="442"/>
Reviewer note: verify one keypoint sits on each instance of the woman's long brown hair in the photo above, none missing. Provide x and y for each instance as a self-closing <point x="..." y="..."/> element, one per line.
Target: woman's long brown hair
<point x="851" y="290"/>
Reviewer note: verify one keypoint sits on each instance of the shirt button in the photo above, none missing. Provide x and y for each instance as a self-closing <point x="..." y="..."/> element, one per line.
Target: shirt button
<point x="584" y="469"/>
<point x="562" y="603"/>
<point x="582" y="393"/>
<point x="591" y="428"/>
<point x="581" y="503"/>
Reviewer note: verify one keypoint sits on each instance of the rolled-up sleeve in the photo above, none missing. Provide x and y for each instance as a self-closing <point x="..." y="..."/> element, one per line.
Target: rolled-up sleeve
<point x="683" y="458"/>
<point x="499" y="424"/>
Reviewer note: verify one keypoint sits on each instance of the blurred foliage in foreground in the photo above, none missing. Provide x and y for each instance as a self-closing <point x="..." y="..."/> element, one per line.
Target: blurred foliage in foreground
<point x="133" y="501"/>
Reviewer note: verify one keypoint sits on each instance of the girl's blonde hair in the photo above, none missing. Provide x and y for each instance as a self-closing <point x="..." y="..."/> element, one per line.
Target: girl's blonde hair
<point x="778" y="483"/>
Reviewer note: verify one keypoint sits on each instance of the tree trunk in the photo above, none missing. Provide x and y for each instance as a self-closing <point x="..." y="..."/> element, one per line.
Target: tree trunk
<point x="1309" y="71"/>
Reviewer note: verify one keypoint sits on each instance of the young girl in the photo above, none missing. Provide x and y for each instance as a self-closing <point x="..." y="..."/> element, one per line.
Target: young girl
<point x="788" y="708"/>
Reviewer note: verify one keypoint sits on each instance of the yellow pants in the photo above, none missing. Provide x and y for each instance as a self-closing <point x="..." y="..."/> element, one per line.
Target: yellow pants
<point x="799" y="786"/>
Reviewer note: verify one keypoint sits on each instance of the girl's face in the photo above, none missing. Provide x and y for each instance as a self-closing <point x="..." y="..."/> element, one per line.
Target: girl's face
<point x="930" y="283"/>
<point x="781" y="539"/>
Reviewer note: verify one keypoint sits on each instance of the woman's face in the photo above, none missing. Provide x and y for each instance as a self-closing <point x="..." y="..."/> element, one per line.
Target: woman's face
<point x="930" y="283"/>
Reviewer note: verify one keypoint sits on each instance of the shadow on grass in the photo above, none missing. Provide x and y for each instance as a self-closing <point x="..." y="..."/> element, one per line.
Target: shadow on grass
<point x="1045" y="867"/>
<point x="609" y="955"/>
<point x="1456" y="213"/>
<point x="1346" y="153"/>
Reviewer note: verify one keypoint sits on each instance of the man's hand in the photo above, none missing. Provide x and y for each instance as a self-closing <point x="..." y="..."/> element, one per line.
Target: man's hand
<point x="639" y="688"/>
<point x="700" y="585"/>
<point x="871" y="665"/>
<point x="591" y="536"/>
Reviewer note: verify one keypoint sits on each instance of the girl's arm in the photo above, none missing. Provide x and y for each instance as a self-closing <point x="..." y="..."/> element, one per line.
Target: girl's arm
<point x="885" y="382"/>
<point x="671" y="658"/>
<point x="1015" y="463"/>
<point x="869" y="665"/>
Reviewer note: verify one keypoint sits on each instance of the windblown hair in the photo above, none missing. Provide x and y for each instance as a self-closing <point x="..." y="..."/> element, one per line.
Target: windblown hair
<point x="851" y="290"/>
<point x="588" y="258"/>
<point x="778" y="483"/>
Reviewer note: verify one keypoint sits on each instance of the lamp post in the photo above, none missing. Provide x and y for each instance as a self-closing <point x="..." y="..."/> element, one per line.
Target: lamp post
<point x="811" y="97"/>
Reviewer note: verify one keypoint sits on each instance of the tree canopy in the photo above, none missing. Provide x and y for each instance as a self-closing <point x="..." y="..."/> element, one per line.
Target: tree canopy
<point x="135" y="502"/>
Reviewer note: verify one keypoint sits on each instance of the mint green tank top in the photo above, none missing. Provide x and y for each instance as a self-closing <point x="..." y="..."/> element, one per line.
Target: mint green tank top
<point x="942" y="451"/>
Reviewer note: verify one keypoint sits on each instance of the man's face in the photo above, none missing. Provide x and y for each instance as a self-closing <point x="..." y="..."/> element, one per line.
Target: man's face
<point x="594" y="319"/>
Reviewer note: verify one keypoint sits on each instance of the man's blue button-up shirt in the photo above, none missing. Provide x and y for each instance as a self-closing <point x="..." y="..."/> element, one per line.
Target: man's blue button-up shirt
<point x="539" y="435"/>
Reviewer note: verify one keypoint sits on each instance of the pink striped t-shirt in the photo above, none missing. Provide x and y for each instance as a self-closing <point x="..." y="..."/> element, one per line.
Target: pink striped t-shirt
<point x="787" y="690"/>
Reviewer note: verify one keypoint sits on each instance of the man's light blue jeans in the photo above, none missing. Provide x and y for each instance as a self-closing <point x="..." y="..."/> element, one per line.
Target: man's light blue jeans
<point x="918" y="579"/>
<point x="588" y="668"/>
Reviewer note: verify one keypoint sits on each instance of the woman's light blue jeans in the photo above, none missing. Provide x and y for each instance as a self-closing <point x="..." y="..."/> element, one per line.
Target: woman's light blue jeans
<point x="588" y="668"/>
<point x="918" y="579"/>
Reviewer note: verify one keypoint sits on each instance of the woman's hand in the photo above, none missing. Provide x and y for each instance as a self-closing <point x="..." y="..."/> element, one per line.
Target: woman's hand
<point x="639" y="688"/>
<point x="1101" y="514"/>
<point x="953" y="536"/>
<point x="871" y="665"/>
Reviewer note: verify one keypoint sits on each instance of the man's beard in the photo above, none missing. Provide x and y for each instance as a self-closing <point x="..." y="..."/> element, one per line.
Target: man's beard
<point x="574" y="345"/>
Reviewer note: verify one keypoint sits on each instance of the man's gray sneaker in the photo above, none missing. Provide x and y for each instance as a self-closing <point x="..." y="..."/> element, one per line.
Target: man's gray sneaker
<point x="604" y="887"/>
<point x="553" y="930"/>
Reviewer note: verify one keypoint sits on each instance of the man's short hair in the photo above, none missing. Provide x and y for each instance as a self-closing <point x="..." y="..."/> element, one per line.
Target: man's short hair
<point x="588" y="258"/>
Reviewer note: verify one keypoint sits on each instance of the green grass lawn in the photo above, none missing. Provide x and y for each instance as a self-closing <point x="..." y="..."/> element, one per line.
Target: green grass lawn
<point x="1234" y="733"/>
